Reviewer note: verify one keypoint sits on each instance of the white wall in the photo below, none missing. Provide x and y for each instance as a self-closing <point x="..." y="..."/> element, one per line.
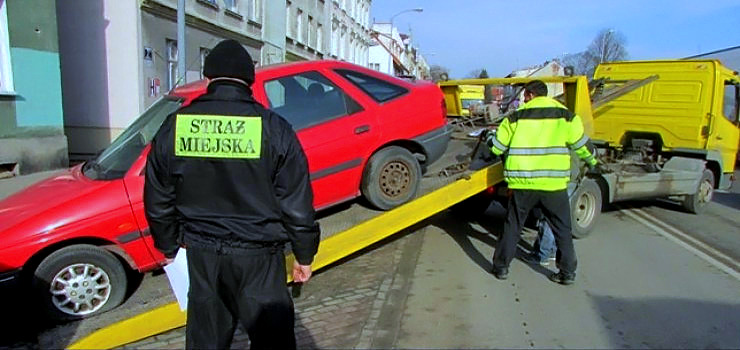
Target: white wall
<point x="377" y="53"/>
<point x="99" y="58"/>
<point x="124" y="58"/>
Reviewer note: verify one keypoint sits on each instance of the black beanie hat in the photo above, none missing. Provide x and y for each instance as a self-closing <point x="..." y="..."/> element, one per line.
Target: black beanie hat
<point x="229" y="59"/>
<point x="536" y="87"/>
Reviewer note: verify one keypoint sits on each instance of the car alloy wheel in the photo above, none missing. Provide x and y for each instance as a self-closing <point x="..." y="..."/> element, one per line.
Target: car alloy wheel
<point x="79" y="281"/>
<point x="80" y="289"/>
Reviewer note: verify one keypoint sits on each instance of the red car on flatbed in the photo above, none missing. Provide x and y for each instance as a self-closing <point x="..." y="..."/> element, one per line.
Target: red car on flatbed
<point x="73" y="237"/>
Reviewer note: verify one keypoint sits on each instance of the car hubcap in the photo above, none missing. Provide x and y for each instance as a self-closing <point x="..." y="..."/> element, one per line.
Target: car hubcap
<point x="584" y="210"/>
<point x="80" y="289"/>
<point x="395" y="178"/>
<point x="705" y="192"/>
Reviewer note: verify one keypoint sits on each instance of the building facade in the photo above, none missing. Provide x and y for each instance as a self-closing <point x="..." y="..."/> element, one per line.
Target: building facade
<point x="393" y="53"/>
<point x="128" y="57"/>
<point x="31" y="120"/>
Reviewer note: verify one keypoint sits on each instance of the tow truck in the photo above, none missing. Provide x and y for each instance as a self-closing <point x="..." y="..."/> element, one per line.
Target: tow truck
<point x="636" y="170"/>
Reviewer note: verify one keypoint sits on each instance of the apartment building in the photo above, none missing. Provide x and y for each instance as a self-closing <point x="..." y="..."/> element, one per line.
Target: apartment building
<point x="127" y="57"/>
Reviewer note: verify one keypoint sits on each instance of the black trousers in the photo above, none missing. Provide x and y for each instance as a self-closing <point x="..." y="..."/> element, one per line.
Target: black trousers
<point x="556" y="208"/>
<point x="229" y="287"/>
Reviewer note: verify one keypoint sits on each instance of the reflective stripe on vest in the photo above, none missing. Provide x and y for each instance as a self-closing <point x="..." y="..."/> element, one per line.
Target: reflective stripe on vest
<point x="537" y="173"/>
<point x="538" y="151"/>
<point x="218" y="136"/>
<point x="493" y="142"/>
<point x="580" y="143"/>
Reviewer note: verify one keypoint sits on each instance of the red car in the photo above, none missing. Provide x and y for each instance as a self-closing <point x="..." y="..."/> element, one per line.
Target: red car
<point x="74" y="236"/>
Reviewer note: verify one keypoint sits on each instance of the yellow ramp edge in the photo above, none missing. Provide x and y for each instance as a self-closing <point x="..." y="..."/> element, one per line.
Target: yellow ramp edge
<point x="331" y="249"/>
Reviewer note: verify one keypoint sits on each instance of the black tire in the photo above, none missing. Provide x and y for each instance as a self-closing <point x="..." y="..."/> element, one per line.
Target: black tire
<point x="96" y="282"/>
<point x="391" y="178"/>
<point x="697" y="202"/>
<point x="585" y="207"/>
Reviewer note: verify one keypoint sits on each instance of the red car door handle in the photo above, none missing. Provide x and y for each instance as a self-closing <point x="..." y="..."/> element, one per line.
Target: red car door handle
<point x="362" y="129"/>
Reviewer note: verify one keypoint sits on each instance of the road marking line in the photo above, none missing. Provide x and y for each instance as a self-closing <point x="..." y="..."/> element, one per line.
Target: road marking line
<point x="654" y="224"/>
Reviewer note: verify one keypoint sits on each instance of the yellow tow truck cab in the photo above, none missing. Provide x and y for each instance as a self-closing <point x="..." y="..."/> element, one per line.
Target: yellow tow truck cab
<point x="661" y="129"/>
<point x="460" y="98"/>
<point x="690" y="109"/>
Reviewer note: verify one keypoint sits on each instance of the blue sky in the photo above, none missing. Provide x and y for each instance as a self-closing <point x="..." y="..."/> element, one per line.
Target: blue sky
<point x="501" y="35"/>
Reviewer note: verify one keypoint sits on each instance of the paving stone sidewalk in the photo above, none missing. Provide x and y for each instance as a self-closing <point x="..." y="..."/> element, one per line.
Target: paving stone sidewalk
<point x="342" y="307"/>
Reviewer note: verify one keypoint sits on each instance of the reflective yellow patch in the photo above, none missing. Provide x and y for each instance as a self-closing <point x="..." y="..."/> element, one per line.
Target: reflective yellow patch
<point x="218" y="136"/>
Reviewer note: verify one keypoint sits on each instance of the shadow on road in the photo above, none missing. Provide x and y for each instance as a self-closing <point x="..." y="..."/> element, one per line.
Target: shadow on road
<point x="486" y="228"/>
<point x="669" y="323"/>
<point x="728" y="199"/>
<point x="21" y="322"/>
<point x="304" y="339"/>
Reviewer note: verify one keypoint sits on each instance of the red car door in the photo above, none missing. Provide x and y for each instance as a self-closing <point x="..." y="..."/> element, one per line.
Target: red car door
<point x="336" y="131"/>
<point x="134" y="181"/>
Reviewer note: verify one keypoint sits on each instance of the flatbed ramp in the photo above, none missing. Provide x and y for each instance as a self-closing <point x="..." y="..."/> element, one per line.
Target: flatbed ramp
<point x="346" y="229"/>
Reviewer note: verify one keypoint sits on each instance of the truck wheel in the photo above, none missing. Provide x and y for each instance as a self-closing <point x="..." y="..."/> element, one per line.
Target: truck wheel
<point x="79" y="281"/>
<point x="697" y="202"/>
<point x="585" y="206"/>
<point x="391" y="178"/>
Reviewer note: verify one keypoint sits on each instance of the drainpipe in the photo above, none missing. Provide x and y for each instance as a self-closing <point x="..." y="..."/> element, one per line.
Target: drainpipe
<point x="181" y="42"/>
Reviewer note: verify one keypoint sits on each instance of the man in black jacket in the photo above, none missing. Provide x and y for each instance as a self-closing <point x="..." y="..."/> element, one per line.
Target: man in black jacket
<point x="228" y="179"/>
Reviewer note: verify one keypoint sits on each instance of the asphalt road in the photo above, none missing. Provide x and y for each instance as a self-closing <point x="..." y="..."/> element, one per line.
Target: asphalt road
<point x="651" y="275"/>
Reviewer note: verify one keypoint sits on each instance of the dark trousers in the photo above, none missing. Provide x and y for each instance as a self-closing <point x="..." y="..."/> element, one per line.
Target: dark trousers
<point x="227" y="288"/>
<point x="556" y="208"/>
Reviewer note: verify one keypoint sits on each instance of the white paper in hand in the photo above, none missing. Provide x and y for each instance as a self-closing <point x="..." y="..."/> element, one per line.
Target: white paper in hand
<point x="177" y="273"/>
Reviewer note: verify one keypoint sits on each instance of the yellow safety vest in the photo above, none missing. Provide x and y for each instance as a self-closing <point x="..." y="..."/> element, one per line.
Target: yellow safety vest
<point x="537" y="139"/>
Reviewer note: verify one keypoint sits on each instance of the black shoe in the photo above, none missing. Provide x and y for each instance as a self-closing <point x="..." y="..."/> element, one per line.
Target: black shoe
<point x="562" y="278"/>
<point x="501" y="273"/>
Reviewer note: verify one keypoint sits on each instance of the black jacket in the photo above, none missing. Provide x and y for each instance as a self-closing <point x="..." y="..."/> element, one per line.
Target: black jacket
<point x="212" y="201"/>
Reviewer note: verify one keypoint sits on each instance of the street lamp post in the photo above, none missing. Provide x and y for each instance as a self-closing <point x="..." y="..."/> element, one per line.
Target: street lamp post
<point x="390" y="54"/>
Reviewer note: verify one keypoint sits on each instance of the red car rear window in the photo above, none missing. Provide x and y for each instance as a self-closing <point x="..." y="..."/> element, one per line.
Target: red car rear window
<point x="380" y="90"/>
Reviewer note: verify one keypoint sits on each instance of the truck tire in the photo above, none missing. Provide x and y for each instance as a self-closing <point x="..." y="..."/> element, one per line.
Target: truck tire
<point x="697" y="202"/>
<point x="585" y="207"/>
<point x="392" y="177"/>
<point x="79" y="281"/>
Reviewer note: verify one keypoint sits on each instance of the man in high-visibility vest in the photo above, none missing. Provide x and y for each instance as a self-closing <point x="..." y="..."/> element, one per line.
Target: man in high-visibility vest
<point x="537" y="140"/>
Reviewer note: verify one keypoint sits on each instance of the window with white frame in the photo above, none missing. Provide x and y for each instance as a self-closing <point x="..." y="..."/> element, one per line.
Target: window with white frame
<point x="343" y="43"/>
<point x="203" y="54"/>
<point x="299" y="25"/>
<point x="351" y="51"/>
<point x="171" y="63"/>
<point x="288" y="21"/>
<point x="231" y="5"/>
<point x="319" y="37"/>
<point x="311" y="30"/>
<point x="253" y="9"/>
<point x="335" y="39"/>
<point x="6" y="70"/>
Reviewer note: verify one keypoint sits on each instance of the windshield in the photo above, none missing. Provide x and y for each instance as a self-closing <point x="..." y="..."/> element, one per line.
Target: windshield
<point x="466" y="103"/>
<point x="115" y="160"/>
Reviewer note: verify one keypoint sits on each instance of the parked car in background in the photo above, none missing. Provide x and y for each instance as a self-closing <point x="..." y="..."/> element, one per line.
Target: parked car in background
<point x="73" y="237"/>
